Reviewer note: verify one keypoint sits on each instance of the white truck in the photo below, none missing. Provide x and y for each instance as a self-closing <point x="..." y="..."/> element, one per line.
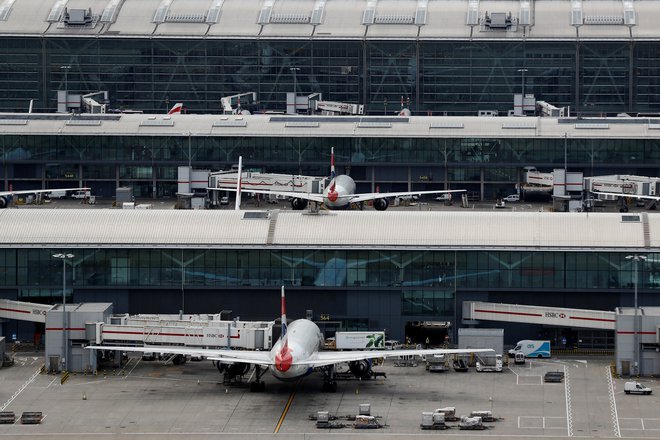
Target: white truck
<point x="81" y="194"/>
<point x="636" y="388"/>
<point x="359" y="340"/>
<point x="490" y="364"/>
<point x="531" y="349"/>
<point x="57" y="194"/>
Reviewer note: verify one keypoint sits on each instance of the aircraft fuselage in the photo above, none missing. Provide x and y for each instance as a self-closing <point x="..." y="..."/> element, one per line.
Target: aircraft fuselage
<point x="303" y="341"/>
<point x="338" y="192"/>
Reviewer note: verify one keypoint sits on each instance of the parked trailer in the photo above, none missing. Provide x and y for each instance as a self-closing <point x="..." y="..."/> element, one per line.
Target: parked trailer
<point x="433" y="420"/>
<point x="471" y="423"/>
<point x="449" y="412"/>
<point x="359" y="340"/>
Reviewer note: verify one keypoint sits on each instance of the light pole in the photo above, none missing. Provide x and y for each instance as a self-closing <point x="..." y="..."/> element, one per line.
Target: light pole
<point x="295" y="70"/>
<point x="522" y="84"/>
<point x="66" y="77"/>
<point x="65" y="333"/>
<point x="636" y="259"/>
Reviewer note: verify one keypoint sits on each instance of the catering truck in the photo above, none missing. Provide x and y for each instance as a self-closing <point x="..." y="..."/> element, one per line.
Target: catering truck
<point x="359" y="340"/>
<point x="531" y="349"/>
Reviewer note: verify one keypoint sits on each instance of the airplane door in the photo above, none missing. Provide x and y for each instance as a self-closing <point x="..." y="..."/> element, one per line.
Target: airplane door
<point x="259" y="339"/>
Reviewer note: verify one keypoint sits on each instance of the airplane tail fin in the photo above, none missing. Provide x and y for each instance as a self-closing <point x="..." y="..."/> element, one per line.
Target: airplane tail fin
<point x="284" y="324"/>
<point x="176" y="109"/>
<point x="333" y="173"/>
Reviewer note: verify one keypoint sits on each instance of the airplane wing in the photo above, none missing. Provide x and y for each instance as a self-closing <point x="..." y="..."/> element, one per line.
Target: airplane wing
<point x="634" y="196"/>
<point x="312" y="197"/>
<point x="35" y="191"/>
<point x="324" y="358"/>
<point x="227" y="356"/>
<point x="372" y="196"/>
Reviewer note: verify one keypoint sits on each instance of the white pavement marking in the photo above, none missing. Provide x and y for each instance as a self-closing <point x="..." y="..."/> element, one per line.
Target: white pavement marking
<point x="52" y="381"/>
<point x="539" y="421"/>
<point x="613" y="410"/>
<point x="569" y="408"/>
<point x="20" y="390"/>
<point x="129" y="373"/>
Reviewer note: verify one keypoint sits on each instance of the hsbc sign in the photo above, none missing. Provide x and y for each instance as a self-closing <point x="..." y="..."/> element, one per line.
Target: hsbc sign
<point x="556" y="315"/>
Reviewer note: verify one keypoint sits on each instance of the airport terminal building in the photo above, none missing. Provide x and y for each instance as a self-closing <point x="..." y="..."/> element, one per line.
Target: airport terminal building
<point x="484" y="155"/>
<point x="354" y="270"/>
<point x="439" y="56"/>
<point x="436" y="58"/>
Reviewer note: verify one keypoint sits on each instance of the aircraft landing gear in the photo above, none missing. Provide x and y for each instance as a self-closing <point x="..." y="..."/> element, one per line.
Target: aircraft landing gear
<point x="258" y="386"/>
<point x="329" y="381"/>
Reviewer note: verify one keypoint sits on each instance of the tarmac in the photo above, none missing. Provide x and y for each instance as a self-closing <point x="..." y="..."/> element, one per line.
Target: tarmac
<point x="151" y="400"/>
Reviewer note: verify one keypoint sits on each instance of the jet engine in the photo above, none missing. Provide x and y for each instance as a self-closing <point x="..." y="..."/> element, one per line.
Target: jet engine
<point x="298" y="204"/>
<point x="4" y="201"/>
<point x="360" y="369"/>
<point x="381" y="204"/>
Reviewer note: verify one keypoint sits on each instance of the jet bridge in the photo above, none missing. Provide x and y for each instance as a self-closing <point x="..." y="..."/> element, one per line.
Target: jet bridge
<point x="23" y="311"/>
<point x="555" y="316"/>
<point x="188" y="330"/>
<point x="94" y="323"/>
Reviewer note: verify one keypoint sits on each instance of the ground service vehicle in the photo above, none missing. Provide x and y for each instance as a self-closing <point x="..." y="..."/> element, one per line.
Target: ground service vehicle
<point x="512" y="198"/>
<point x="359" y="340"/>
<point x="58" y="194"/>
<point x="636" y="388"/>
<point x="518" y="358"/>
<point x="489" y="363"/>
<point x="81" y="194"/>
<point x="436" y="363"/>
<point x="531" y="349"/>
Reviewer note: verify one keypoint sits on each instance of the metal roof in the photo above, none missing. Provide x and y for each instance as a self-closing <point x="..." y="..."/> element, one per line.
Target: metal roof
<point x="451" y="230"/>
<point x="336" y="19"/>
<point x="334" y="126"/>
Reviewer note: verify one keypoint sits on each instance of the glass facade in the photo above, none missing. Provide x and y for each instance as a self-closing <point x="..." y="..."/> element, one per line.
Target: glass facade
<point x="412" y="272"/>
<point x="453" y="77"/>
<point x="148" y="162"/>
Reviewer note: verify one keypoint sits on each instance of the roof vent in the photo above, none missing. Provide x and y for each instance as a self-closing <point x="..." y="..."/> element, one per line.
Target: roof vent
<point x="77" y="17"/>
<point x="256" y="215"/>
<point x="499" y="21"/>
<point x="603" y="19"/>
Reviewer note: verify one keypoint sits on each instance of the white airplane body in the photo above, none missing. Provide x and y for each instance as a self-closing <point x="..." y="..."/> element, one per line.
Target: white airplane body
<point x="339" y="193"/>
<point x="297" y="353"/>
<point x="7" y="196"/>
